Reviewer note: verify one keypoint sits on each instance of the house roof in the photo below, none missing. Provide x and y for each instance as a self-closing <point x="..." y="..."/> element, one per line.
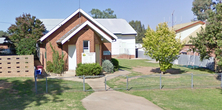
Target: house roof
<point x="76" y="29"/>
<point x="117" y="26"/>
<point x="180" y="27"/>
<point x="51" y="23"/>
<point x="193" y="34"/>
<point x="72" y="15"/>
<point x="4" y="40"/>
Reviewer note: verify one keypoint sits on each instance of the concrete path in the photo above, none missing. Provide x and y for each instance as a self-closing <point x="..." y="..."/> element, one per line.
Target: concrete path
<point x="110" y="99"/>
<point x="114" y="100"/>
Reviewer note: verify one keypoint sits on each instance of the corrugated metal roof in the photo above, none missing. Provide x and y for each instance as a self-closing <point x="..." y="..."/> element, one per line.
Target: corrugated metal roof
<point x="117" y="26"/>
<point x="68" y="33"/>
<point x="2" y="40"/>
<point x="51" y="23"/>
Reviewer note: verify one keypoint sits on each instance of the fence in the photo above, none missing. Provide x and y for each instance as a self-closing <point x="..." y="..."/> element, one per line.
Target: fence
<point x="195" y="61"/>
<point x="166" y="81"/>
<point x="188" y="60"/>
<point x="116" y="82"/>
<point x="17" y="65"/>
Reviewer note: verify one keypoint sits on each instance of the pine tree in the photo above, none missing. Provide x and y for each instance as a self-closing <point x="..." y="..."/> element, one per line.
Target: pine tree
<point x="140" y="29"/>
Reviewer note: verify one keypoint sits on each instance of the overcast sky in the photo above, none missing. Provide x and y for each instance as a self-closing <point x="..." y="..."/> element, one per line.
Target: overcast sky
<point x="149" y="12"/>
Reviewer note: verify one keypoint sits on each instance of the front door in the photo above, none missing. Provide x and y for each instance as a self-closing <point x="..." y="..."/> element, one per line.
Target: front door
<point x="72" y="57"/>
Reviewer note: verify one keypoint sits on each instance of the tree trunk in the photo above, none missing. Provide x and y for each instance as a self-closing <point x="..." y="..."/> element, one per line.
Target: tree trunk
<point x="216" y="66"/>
<point x="162" y="72"/>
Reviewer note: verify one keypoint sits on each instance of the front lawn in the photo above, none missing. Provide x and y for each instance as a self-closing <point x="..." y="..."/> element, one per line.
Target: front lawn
<point x="183" y="99"/>
<point x="19" y="93"/>
<point x="173" y="95"/>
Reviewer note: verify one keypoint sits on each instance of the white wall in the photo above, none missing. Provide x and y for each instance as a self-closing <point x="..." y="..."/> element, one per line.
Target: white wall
<point x="125" y="44"/>
<point x="187" y="32"/>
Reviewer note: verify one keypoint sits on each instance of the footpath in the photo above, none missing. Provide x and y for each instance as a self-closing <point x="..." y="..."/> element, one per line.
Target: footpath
<point x="114" y="100"/>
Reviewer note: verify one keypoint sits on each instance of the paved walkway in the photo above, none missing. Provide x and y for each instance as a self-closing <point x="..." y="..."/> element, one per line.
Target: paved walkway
<point x="114" y="100"/>
<point x="110" y="99"/>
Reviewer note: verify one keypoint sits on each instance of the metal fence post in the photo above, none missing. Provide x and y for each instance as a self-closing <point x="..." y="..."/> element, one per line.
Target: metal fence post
<point x="192" y="80"/>
<point x="35" y="83"/>
<point x="160" y="81"/>
<point x="105" y="83"/>
<point x="126" y="82"/>
<point x="83" y="83"/>
<point x="221" y="80"/>
<point x="46" y="85"/>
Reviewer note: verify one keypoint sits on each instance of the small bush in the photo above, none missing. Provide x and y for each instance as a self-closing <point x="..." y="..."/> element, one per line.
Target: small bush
<point x="115" y="63"/>
<point x="89" y="69"/>
<point x="49" y="66"/>
<point x="107" y="66"/>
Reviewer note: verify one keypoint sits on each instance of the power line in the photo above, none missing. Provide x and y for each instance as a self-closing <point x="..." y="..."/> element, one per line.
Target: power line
<point x="5" y="22"/>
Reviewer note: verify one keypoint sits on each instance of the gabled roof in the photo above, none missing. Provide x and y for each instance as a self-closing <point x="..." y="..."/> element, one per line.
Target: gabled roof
<point x="180" y="27"/>
<point x="72" y="15"/>
<point x="76" y="29"/>
<point x="117" y="26"/>
<point x="51" y="23"/>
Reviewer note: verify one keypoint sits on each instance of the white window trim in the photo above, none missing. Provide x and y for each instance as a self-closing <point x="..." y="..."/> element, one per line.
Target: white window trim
<point x="88" y="45"/>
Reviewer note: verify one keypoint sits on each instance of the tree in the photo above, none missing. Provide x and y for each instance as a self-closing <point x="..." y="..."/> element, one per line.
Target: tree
<point x="201" y="8"/>
<point x="209" y="40"/>
<point x="25" y="33"/>
<point x="108" y="13"/>
<point x="162" y="45"/>
<point x="2" y="33"/>
<point x="140" y="29"/>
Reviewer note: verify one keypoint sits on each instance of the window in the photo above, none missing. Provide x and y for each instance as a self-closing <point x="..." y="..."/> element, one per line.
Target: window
<point x="86" y="46"/>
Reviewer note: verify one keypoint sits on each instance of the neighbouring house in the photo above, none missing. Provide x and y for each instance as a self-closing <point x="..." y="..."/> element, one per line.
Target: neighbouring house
<point x="124" y="47"/>
<point x="80" y="38"/>
<point x="5" y="46"/>
<point x="184" y="31"/>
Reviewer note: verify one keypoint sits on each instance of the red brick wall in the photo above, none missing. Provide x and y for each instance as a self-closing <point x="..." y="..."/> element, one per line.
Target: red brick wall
<point x="85" y="34"/>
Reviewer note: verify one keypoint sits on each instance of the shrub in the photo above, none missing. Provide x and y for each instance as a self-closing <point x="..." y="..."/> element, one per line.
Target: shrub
<point x="88" y="69"/>
<point x="58" y="62"/>
<point x="49" y="66"/>
<point x="107" y="66"/>
<point x="115" y="63"/>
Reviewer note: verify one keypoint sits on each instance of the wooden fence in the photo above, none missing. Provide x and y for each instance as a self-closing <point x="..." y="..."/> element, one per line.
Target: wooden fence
<point x="17" y="65"/>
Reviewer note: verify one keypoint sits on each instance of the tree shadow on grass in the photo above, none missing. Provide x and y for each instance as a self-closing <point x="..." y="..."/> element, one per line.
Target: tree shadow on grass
<point x="197" y="68"/>
<point x="171" y="71"/>
<point x="123" y="68"/>
<point x="18" y="93"/>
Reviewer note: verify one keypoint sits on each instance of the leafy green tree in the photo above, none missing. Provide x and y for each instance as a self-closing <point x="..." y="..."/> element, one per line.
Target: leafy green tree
<point x="2" y="33"/>
<point x="201" y="8"/>
<point x="140" y="29"/>
<point x="209" y="41"/>
<point x="162" y="45"/>
<point x="25" y="33"/>
<point x="108" y="13"/>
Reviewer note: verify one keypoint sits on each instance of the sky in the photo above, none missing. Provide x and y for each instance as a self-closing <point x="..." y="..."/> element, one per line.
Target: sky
<point x="149" y="12"/>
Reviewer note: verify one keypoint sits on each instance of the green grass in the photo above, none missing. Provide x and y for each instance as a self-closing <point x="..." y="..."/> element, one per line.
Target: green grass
<point x="19" y="93"/>
<point x="128" y="64"/>
<point x="176" y="93"/>
<point x="183" y="99"/>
